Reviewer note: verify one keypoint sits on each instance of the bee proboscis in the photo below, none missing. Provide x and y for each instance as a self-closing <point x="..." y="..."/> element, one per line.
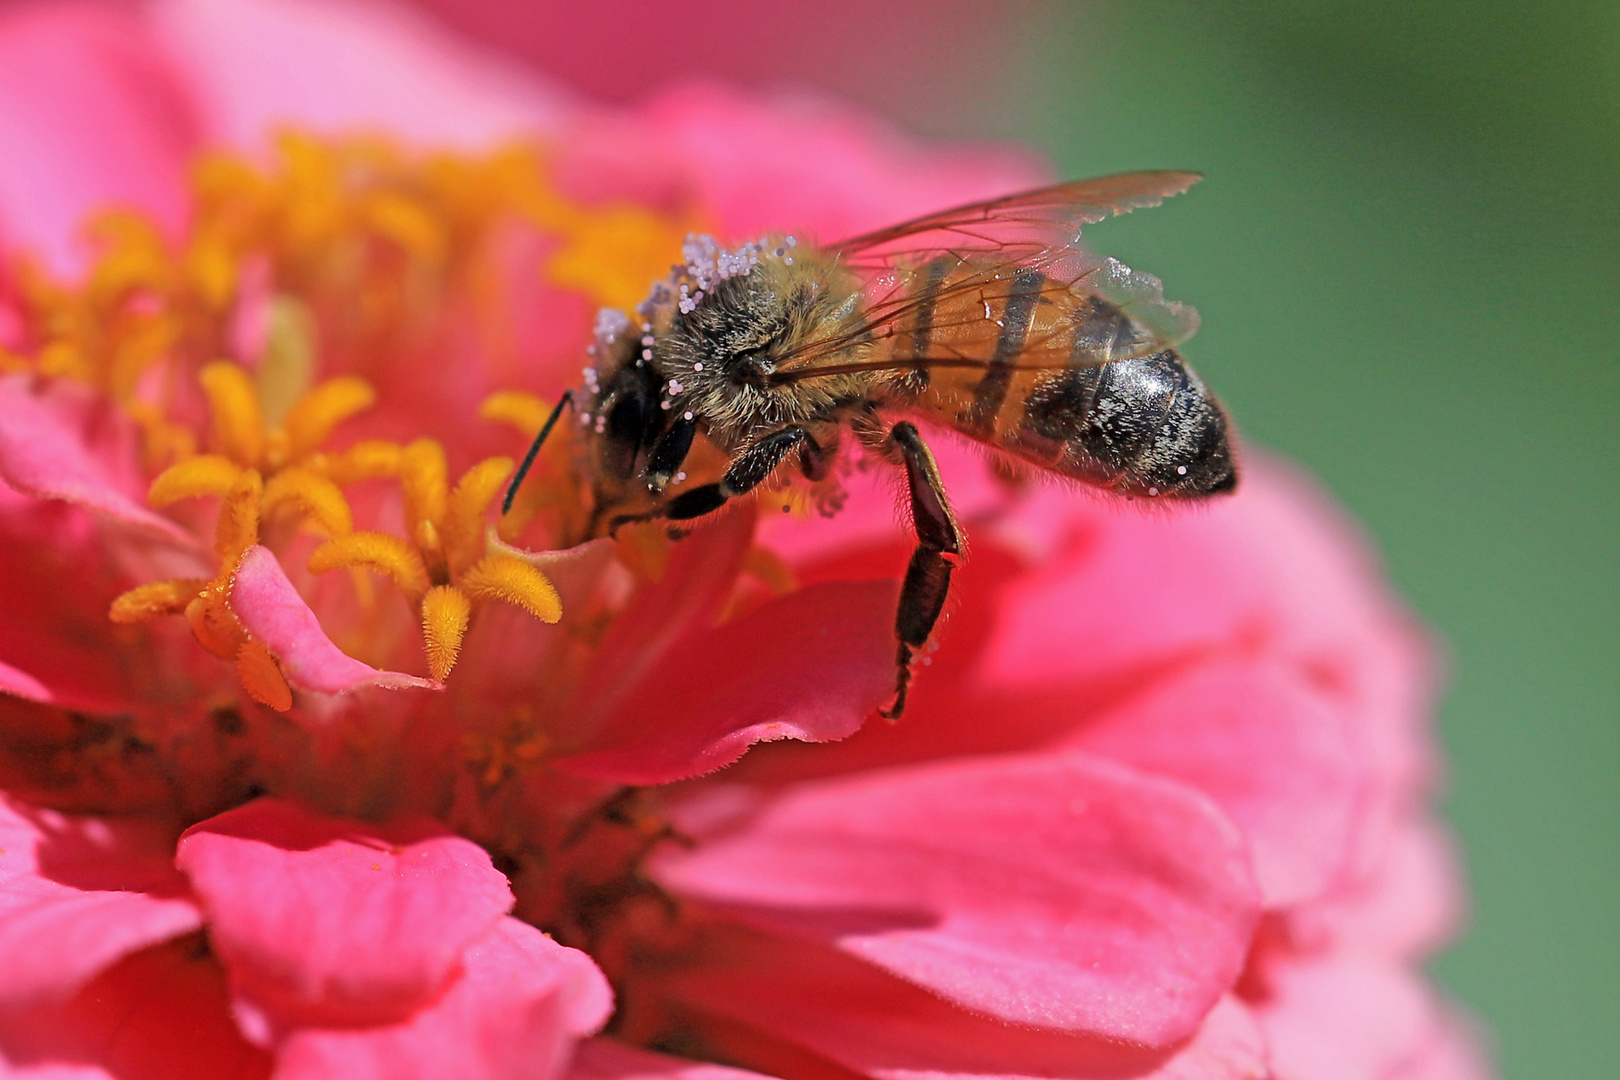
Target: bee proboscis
<point x="989" y="320"/>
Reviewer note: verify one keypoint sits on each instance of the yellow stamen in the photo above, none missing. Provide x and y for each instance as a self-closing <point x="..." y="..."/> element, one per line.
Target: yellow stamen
<point x="315" y="496"/>
<point x="205" y="474"/>
<point x="445" y="611"/>
<point x="261" y="678"/>
<point x="238" y="425"/>
<point x="408" y="224"/>
<point x="238" y="527"/>
<point x="423" y="477"/>
<point x="374" y="551"/>
<point x="157" y="598"/>
<point x="501" y="577"/>
<point x="312" y="419"/>
<point x="525" y="412"/>
<point x="369" y="460"/>
<point x="464" y="516"/>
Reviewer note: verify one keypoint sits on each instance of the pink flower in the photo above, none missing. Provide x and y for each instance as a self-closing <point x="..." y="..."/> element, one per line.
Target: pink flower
<point x="358" y="781"/>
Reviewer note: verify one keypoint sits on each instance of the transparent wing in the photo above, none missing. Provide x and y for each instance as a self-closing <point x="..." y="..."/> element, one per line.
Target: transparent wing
<point x="939" y="291"/>
<point x="1045" y="217"/>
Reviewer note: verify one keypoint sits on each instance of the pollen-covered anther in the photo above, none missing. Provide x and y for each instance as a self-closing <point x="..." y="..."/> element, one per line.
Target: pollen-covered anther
<point x="463" y="533"/>
<point x="205" y="474"/>
<point x="445" y="613"/>
<point x="261" y="677"/>
<point x="316" y="497"/>
<point x="238" y="421"/>
<point x="501" y="577"/>
<point x="314" y="415"/>
<point x="374" y="551"/>
<point x="155" y="598"/>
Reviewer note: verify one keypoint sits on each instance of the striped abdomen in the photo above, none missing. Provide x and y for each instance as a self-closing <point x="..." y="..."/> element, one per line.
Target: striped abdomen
<point x="1140" y="425"/>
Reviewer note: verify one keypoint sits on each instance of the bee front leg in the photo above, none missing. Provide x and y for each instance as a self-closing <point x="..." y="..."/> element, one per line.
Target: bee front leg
<point x="939" y="550"/>
<point x="746" y="471"/>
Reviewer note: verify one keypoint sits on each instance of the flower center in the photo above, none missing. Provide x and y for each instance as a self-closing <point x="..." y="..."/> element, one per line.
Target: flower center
<point x="347" y="258"/>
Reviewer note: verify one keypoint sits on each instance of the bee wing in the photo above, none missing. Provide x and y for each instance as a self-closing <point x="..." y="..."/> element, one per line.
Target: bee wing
<point x="939" y="290"/>
<point x="1045" y="217"/>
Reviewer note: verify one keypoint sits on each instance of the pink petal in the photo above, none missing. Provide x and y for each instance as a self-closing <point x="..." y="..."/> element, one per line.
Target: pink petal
<point x="91" y="115"/>
<point x="1062" y="892"/>
<point x="272" y="611"/>
<point x="1405" y="909"/>
<point x="605" y="1059"/>
<point x="19" y="683"/>
<point x="806" y="997"/>
<point x="718" y="693"/>
<point x="325" y="920"/>
<point x="160" y="1014"/>
<point x="1266" y="745"/>
<point x="57" y="442"/>
<point x="513" y="1011"/>
<point x="338" y="68"/>
<point x="79" y="894"/>
<point x="1345" y="1017"/>
<point x="1454" y="1050"/>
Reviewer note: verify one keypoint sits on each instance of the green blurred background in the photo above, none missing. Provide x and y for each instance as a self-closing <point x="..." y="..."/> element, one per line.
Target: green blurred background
<point x="1407" y="256"/>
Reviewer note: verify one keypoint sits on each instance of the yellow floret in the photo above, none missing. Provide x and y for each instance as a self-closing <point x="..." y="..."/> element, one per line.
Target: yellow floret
<point x="238" y="423"/>
<point x="205" y="474"/>
<point x="155" y="598"/>
<point x="315" y="414"/>
<point x="445" y="613"/>
<point x="314" y="495"/>
<point x="374" y="551"/>
<point x="501" y="577"/>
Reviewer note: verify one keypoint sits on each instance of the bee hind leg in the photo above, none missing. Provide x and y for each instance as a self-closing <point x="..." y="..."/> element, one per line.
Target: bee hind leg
<point x="939" y="550"/>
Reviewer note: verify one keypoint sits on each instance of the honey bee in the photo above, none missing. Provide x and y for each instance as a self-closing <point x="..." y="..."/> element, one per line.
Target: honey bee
<point x="989" y="320"/>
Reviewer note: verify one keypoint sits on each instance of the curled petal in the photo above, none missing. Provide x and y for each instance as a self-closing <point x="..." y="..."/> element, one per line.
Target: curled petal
<point x="330" y="921"/>
<point x="44" y="453"/>
<point x="273" y="612"/>
<point x="1055" y="891"/>
<point x="514" y="1010"/>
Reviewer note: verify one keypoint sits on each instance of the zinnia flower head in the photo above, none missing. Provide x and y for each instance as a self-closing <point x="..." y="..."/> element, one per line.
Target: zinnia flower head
<point x="315" y="765"/>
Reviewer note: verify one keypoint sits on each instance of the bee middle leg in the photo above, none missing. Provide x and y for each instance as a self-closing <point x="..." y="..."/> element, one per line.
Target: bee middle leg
<point x="939" y="550"/>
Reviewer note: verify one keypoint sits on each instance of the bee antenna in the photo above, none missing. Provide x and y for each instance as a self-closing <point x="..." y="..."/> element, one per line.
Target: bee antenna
<point x="534" y="450"/>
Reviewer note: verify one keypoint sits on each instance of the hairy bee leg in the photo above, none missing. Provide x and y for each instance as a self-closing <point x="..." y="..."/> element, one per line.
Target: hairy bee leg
<point x="939" y="550"/>
<point x="534" y="450"/>
<point x="747" y="471"/>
